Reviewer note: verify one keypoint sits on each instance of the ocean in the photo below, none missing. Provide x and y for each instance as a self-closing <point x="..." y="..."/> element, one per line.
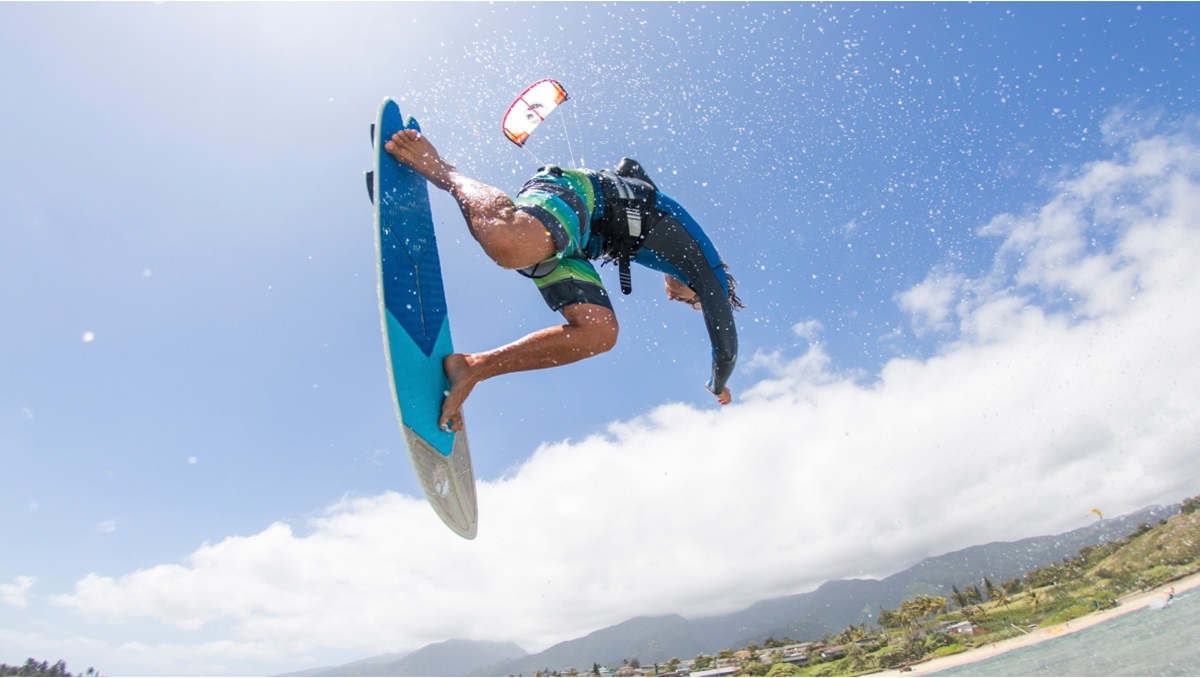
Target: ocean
<point x="1153" y="641"/>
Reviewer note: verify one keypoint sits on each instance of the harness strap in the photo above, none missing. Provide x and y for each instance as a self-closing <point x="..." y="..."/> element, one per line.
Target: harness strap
<point x="630" y="206"/>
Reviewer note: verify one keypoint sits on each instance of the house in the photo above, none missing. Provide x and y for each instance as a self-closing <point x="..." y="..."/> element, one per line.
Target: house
<point x="833" y="652"/>
<point x="797" y="658"/>
<point x="723" y="671"/>
<point x="963" y="628"/>
<point x="797" y="648"/>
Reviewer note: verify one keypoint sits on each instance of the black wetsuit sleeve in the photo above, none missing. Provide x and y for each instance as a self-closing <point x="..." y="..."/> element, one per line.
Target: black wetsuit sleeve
<point x="722" y="332"/>
<point x="672" y="245"/>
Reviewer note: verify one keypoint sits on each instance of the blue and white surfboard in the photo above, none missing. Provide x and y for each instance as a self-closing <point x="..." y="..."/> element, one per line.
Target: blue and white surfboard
<point x="416" y="328"/>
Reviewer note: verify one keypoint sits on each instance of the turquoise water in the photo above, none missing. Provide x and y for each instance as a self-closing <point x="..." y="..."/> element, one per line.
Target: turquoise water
<point x="1149" y="642"/>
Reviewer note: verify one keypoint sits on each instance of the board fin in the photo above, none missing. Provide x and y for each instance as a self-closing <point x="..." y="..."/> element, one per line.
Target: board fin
<point x="371" y="185"/>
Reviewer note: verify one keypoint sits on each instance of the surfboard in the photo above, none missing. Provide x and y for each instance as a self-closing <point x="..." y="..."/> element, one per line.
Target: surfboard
<point x="416" y="327"/>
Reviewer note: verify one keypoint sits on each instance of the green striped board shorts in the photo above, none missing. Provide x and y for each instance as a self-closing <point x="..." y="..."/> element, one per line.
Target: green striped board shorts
<point x="564" y="200"/>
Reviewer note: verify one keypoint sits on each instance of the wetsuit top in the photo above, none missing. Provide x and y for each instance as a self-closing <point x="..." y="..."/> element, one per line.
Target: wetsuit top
<point x="570" y="203"/>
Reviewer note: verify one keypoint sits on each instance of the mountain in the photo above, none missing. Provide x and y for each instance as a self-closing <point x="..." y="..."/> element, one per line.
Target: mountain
<point x="665" y="637"/>
<point x="830" y="608"/>
<point x="449" y="658"/>
<point x="838" y="604"/>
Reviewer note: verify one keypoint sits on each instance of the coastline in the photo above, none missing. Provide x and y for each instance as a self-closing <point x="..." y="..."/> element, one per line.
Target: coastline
<point x="1128" y="603"/>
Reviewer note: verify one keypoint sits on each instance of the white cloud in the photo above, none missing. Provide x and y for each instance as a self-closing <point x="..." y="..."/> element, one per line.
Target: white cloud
<point x="106" y="526"/>
<point x="932" y="302"/>
<point x="16" y="593"/>
<point x="1070" y="384"/>
<point x="810" y="330"/>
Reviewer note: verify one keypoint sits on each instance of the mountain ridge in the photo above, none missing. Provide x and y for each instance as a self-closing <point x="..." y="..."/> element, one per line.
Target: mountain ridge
<point x="831" y="607"/>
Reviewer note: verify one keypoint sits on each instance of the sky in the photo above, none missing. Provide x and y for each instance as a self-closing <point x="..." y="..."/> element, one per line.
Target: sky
<point x="965" y="235"/>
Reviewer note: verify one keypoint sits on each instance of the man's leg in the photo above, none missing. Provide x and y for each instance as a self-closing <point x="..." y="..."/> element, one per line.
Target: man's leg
<point x="512" y="239"/>
<point x="590" y="330"/>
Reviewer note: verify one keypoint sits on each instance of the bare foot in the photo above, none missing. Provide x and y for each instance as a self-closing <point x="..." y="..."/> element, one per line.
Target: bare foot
<point x="459" y="371"/>
<point x="413" y="149"/>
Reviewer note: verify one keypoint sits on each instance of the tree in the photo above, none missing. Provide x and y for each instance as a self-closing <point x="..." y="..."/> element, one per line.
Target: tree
<point x="959" y="598"/>
<point x="33" y="667"/>
<point x="890" y="619"/>
<point x="851" y="634"/>
<point x="754" y="668"/>
<point x="989" y="588"/>
<point x="783" y="669"/>
<point x="1189" y="505"/>
<point x="1035" y="597"/>
<point x="973" y="595"/>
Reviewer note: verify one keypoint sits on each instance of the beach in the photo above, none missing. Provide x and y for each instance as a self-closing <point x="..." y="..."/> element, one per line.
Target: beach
<point x="1129" y="603"/>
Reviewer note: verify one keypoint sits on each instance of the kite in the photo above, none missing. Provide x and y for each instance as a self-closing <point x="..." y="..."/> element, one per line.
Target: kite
<point x="1098" y="513"/>
<point x="530" y="108"/>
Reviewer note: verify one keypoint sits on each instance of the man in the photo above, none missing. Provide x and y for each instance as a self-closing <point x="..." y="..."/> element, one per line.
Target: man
<point x="559" y="221"/>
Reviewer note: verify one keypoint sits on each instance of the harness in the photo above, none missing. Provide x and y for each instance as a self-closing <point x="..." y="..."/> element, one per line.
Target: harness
<point x="629" y="211"/>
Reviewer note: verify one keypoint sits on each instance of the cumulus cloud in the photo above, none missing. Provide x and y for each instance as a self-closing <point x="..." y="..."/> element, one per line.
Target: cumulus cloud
<point x="16" y="593"/>
<point x="1067" y="380"/>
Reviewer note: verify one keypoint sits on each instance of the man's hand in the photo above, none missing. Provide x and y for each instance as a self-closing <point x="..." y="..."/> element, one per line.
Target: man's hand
<point x="724" y="396"/>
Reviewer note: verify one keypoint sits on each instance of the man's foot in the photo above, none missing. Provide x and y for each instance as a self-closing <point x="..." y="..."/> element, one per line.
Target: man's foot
<point x="412" y="148"/>
<point x="461" y="375"/>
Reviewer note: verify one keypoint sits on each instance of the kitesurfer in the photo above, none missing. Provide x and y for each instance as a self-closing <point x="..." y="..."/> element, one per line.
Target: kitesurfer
<point x="560" y="221"/>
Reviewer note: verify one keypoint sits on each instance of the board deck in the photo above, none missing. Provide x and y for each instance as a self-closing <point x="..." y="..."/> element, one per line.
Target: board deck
<point x="416" y="328"/>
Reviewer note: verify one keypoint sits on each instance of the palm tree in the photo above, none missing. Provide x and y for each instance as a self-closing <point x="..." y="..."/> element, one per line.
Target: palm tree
<point x="1036" y="597"/>
<point x="959" y="598"/>
<point x="851" y="634"/>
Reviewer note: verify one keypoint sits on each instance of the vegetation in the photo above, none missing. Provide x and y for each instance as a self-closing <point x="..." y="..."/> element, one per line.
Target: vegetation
<point x="924" y="627"/>
<point x="977" y="613"/>
<point x="33" y="667"/>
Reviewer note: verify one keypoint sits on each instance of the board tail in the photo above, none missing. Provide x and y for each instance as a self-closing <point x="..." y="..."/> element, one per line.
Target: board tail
<point x="448" y="481"/>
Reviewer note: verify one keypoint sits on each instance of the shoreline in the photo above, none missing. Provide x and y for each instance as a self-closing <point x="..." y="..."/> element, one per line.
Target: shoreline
<point x="1128" y="603"/>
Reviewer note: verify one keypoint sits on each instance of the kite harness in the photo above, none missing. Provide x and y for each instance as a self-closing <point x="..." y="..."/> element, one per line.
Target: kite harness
<point x="629" y="200"/>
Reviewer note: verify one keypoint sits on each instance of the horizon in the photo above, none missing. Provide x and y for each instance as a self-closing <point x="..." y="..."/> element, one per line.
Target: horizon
<point x="785" y="641"/>
<point x="965" y="235"/>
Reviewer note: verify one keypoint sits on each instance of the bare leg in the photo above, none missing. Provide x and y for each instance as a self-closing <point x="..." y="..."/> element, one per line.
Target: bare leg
<point x="512" y="239"/>
<point x="590" y="330"/>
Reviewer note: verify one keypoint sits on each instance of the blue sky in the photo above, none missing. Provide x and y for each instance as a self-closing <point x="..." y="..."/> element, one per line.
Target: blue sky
<point x="965" y="234"/>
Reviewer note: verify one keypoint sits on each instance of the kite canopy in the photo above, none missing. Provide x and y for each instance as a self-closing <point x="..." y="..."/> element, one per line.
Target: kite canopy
<point x="1098" y="513"/>
<point x="530" y="108"/>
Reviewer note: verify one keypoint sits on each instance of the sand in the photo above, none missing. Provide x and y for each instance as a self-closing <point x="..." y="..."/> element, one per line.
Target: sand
<point x="1129" y="603"/>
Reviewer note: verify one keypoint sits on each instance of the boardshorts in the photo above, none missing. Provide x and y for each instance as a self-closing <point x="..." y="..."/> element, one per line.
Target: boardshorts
<point x="570" y="203"/>
<point x="566" y="201"/>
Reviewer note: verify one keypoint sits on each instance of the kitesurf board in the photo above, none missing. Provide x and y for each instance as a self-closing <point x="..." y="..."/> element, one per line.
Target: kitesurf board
<point x="416" y="327"/>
